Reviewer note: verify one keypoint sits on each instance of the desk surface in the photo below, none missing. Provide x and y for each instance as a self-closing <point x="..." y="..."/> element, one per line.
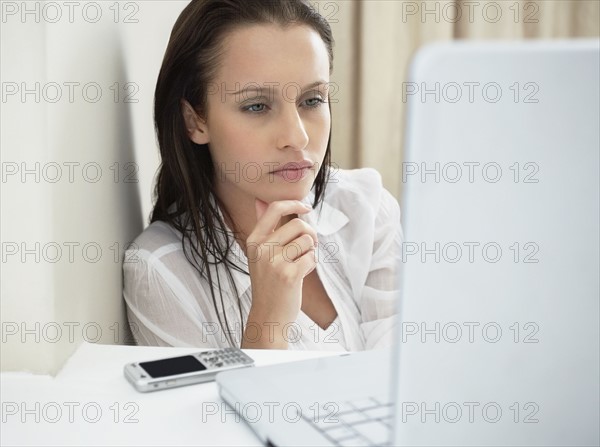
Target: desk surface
<point x="89" y="402"/>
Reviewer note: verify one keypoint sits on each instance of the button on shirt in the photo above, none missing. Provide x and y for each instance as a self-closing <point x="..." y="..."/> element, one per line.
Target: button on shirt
<point x="358" y="259"/>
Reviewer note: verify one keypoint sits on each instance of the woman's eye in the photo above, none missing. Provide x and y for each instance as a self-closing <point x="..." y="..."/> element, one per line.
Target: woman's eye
<point x="255" y="108"/>
<point x="314" y="102"/>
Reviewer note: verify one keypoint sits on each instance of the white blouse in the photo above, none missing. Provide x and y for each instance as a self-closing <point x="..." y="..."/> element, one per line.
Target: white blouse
<point x="358" y="260"/>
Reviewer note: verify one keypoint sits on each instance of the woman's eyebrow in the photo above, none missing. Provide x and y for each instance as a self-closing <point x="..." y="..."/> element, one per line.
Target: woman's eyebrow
<point x="272" y="87"/>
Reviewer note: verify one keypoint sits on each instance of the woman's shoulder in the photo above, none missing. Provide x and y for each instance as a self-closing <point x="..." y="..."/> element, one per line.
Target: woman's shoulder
<point x="355" y="180"/>
<point x="362" y="188"/>
<point x="155" y="236"/>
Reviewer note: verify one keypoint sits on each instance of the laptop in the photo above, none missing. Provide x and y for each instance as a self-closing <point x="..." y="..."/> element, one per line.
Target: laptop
<point x="497" y="341"/>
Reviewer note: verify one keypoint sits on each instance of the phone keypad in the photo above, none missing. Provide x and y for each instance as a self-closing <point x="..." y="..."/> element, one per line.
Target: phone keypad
<point x="225" y="357"/>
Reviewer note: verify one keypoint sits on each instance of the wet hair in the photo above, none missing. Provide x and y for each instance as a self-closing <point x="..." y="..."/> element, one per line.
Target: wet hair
<point x="185" y="186"/>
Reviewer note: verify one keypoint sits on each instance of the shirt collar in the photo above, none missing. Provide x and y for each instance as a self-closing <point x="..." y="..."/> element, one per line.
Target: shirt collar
<point x="325" y="218"/>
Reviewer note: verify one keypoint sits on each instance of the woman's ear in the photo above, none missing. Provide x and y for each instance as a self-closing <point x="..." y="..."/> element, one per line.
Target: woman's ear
<point x="196" y="126"/>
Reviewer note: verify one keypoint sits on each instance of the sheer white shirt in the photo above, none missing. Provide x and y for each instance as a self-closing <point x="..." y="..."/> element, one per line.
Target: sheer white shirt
<point x="360" y="236"/>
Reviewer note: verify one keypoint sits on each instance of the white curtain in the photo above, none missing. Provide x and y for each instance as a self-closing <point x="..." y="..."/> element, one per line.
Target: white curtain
<point x="375" y="40"/>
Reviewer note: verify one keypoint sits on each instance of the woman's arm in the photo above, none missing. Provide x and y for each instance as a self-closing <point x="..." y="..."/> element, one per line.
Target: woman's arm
<point x="276" y="278"/>
<point x="166" y="301"/>
<point x="380" y="295"/>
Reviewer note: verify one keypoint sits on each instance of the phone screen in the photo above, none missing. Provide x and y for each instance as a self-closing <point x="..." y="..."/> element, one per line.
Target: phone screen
<point x="172" y="366"/>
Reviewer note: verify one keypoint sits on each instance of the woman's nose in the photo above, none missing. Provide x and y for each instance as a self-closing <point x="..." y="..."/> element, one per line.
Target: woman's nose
<point x="291" y="131"/>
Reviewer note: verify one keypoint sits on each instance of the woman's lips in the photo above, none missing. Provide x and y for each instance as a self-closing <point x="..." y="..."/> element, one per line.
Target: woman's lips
<point x="292" y="175"/>
<point x="294" y="171"/>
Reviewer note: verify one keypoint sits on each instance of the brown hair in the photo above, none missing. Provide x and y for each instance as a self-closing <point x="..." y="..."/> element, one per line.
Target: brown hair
<point x="186" y="174"/>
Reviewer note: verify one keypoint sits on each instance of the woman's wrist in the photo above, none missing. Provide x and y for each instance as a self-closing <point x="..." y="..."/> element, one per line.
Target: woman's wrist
<point x="263" y="332"/>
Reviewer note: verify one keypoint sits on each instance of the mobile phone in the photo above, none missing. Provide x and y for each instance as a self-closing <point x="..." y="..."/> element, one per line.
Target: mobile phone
<point x="173" y="372"/>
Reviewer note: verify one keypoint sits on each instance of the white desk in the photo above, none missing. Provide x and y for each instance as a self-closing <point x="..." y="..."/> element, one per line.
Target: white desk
<point x="89" y="402"/>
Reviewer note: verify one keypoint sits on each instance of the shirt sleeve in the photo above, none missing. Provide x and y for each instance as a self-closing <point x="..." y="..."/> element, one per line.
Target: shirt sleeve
<point x="380" y="295"/>
<point x="166" y="304"/>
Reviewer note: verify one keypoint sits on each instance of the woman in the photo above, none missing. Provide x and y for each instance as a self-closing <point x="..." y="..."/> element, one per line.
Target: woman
<point x="255" y="240"/>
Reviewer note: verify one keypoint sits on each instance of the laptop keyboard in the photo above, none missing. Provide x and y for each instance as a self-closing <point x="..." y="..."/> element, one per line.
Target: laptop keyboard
<point x="359" y="422"/>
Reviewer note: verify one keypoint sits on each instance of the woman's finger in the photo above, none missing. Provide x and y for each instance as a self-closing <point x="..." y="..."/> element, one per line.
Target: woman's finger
<point x="267" y="222"/>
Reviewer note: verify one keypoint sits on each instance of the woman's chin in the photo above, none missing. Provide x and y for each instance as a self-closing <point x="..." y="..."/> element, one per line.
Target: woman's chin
<point x="299" y="194"/>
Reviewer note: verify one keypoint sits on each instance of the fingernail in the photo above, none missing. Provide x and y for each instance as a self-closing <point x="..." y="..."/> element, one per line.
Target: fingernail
<point x="307" y="206"/>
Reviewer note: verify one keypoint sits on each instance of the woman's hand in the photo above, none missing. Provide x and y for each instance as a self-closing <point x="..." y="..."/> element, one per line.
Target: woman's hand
<point x="278" y="261"/>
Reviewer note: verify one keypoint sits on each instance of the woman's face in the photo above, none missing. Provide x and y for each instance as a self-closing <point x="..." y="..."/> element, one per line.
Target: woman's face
<point x="267" y="107"/>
